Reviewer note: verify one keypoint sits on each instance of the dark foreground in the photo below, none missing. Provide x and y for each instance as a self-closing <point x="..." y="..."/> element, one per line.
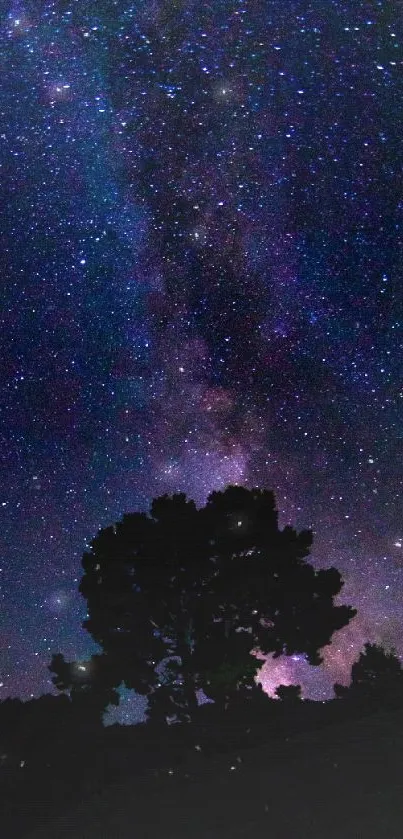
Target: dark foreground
<point x="341" y="782"/>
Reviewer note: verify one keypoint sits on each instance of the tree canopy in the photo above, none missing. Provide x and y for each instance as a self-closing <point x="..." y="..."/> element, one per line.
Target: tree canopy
<point x="180" y="598"/>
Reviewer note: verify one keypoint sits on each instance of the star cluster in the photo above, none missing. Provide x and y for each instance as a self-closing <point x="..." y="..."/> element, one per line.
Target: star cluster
<point x="201" y="259"/>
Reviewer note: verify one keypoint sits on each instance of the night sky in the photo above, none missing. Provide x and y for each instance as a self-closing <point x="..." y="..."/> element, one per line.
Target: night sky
<point x="201" y="260"/>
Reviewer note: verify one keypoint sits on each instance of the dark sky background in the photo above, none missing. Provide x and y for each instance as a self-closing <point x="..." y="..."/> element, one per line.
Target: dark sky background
<point x="201" y="260"/>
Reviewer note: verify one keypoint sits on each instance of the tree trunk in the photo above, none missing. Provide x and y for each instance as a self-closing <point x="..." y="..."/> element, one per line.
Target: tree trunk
<point x="189" y="688"/>
<point x="184" y="650"/>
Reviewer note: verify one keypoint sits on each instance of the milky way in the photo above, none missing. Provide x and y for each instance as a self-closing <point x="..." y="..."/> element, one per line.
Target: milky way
<point x="201" y="256"/>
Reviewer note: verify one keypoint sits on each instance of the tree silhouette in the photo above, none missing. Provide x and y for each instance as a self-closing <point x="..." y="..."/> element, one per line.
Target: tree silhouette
<point x="201" y="590"/>
<point x="376" y="676"/>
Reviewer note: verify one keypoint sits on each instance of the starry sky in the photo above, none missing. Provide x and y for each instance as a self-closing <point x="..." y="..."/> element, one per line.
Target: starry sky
<point x="201" y="252"/>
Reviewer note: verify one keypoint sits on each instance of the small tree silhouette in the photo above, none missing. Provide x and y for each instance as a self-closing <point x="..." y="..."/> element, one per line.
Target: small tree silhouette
<point x="376" y="677"/>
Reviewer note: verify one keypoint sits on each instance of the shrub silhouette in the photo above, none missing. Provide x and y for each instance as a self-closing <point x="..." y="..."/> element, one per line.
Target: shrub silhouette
<point x="90" y="685"/>
<point x="376" y="678"/>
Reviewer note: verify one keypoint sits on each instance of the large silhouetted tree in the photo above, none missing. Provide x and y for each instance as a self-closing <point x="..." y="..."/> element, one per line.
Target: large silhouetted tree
<point x="376" y="676"/>
<point x="202" y="589"/>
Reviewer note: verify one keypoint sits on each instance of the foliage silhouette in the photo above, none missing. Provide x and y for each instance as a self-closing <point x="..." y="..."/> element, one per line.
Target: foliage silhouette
<point x="203" y="589"/>
<point x="376" y="678"/>
<point x="289" y="693"/>
<point x="91" y="686"/>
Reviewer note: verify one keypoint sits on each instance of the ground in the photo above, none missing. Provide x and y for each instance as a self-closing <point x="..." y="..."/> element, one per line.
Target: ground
<point x="345" y="782"/>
